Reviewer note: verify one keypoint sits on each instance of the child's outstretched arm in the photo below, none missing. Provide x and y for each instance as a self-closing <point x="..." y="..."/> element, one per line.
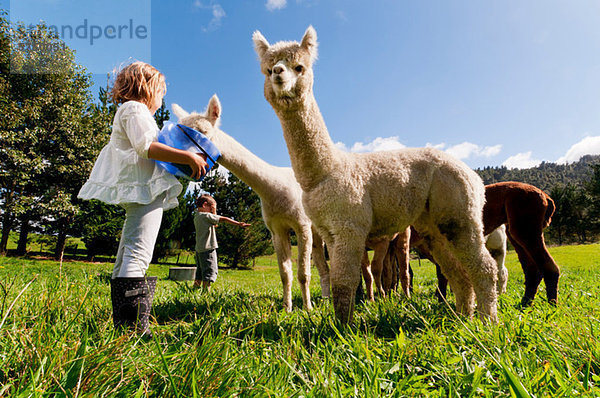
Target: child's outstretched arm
<point x="165" y="153"/>
<point x="233" y="222"/>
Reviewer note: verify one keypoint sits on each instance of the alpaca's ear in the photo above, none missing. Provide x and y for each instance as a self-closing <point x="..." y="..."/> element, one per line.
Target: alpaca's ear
<point x="213" y="111"/>
<point x="261" y="45"/>
<point x="309" y="42"/>
<point x="179" y="112"/>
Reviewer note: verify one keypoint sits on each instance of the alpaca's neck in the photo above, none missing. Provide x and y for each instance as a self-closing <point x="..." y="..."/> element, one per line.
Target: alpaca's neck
<point x="245" y="165"/>
<point x="312" y="153"/>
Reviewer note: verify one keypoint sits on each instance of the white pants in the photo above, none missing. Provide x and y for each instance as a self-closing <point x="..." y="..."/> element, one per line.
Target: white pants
<point x="142" y="223"/>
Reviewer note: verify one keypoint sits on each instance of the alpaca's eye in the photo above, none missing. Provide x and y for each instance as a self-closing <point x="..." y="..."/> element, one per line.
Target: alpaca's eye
<point x="299" y="68"/>
<point x="269" y="71"/>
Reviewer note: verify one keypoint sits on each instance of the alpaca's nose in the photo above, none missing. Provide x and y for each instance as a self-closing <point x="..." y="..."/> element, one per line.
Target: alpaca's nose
<point x="278" y="69"/>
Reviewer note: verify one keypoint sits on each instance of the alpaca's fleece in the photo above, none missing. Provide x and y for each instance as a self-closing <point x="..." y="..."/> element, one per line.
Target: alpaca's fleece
<point x="281" y="202"/>
<point x="354" y="197"/>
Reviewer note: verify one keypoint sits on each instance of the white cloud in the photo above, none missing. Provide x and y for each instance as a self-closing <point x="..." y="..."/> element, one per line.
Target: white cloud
<point x="466" y="150"/>
<point x="273" y="5"/>
<point x="460" y="151"/>
<point x="218" y="13"/>
<point x="587" y="146"/>
<point x="378" y="144"/>
<point x="521" y="161"/>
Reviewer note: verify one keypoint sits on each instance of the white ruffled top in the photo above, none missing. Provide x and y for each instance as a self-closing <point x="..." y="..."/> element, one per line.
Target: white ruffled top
<point x="123" y="173"/>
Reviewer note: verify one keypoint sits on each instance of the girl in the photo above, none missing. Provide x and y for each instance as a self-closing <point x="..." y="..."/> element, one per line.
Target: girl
<point x="125" y="174"/>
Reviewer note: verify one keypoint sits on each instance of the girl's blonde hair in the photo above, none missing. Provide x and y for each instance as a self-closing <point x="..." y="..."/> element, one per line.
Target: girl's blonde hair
<point x="138" y="81"/>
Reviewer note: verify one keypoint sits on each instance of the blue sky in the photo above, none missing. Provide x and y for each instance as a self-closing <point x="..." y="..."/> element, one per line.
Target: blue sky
<point x="493" y="82"/>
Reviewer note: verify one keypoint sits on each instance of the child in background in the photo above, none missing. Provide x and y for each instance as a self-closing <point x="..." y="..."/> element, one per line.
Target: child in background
<point x="125" y="174"/>
<point x="205" y="220"/>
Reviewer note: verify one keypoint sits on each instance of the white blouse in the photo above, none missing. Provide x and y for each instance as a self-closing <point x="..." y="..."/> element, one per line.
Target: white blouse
<point x="123" y="173"/>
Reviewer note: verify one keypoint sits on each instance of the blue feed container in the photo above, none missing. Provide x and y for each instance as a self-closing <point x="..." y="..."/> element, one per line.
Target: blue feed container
<point x="186" y="138"/>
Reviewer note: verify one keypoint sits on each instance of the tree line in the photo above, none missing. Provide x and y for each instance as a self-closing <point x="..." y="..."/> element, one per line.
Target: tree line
<point x="52" y="130"/>
<point x="575" y="189"/>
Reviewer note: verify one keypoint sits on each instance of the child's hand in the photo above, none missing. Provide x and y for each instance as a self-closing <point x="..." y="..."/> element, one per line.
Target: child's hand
<point x="243" y="224"/>
<point x="197" y="161"/>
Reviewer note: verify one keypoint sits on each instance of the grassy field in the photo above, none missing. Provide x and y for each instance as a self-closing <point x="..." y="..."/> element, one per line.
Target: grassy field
<point x="57" y="339"/>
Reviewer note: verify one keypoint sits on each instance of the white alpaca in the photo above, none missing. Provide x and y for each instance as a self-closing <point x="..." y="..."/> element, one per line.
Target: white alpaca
<point x="280" y="198"/>
<point x="354" y="197"/>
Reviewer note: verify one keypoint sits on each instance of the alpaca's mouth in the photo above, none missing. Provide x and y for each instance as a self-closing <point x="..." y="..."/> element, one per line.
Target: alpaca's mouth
<point x="283" y="89"/>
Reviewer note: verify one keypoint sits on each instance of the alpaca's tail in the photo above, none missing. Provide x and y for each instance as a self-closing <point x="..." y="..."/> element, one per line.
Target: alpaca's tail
<point x="549" y="211"/>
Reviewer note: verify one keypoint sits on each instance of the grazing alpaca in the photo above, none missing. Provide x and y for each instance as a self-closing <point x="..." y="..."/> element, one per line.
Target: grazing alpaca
<point x="351" y="198"/>
<point x="280" y="198"/>
<point x="526" y="210"/>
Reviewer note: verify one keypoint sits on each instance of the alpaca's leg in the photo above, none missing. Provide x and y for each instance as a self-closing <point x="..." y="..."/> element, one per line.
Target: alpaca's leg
<point x="283" y="250"/>
<point x="403" y="256"/>
<point x="442" y="288"/>
<point x="379" y="251"/>
<point x="387" y="272"/>
<point x="467" y="247"/>
<point x="459" y="282"/>
<point x="525" y="227"/>
<point x="537" y="263"/>
<point x="365" y="266"/>
<point x="345" y="252"/>
<point x="470" y="251"/>
<point x="318" y="256"/>
<point x="533" y="276"/>
<point x="304" y="248"/>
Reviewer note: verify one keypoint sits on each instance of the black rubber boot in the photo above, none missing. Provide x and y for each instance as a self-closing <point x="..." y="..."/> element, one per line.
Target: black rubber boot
<point x="132" y="302"/>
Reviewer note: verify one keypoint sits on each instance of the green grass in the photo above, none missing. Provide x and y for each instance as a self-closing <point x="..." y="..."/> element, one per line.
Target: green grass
<point x="57" y="339"/>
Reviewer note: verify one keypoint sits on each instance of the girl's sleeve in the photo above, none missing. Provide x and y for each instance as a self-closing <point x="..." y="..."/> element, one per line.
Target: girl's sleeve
<point x="141" y="128"/>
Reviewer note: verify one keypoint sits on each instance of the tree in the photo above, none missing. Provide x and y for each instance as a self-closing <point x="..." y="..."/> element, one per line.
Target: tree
<point x="101" y="227"/>
<point x="49" y="135"/>
<point x="593" y="191"/>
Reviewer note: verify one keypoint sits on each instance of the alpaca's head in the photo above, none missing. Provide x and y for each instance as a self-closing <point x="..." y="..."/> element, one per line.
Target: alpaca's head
<point x="287" y="67"/>
<point x="207" y="123"/>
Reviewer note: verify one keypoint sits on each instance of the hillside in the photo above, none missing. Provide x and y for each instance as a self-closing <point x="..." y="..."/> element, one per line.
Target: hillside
<point x="545" y="176"/>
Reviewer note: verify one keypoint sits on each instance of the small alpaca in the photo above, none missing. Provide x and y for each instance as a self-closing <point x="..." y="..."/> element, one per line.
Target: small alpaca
<point x="352" y="198"/>
<point x="280" y="198"/>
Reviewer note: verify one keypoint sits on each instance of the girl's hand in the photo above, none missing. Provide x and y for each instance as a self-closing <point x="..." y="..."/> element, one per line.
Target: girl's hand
<point x="197" y="161"/>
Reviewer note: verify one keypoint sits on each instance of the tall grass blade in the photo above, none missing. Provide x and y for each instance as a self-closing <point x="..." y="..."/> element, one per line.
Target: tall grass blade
<point x="164" y="362"/>
<point x="73" y="377"/>
<point x="15" y="300"/>
<point x="515" y="384"/>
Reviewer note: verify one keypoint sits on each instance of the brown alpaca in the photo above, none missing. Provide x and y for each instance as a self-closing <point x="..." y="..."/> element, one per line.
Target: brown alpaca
<point x="526" y="210"/>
